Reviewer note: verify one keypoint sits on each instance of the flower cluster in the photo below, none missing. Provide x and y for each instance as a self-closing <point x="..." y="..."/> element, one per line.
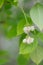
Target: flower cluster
<point x="28" y="40"/>
<point x="26" y="30"/>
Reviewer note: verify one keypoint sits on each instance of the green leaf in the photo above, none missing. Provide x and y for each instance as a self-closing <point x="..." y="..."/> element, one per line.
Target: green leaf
<point x="23" y="59"/>
<point x="1" y="3"/>
<point x="28" y="48"/>
<point x="36" y="14"/>
<point x="37" y="55"/>
<point x="21" y="24"/>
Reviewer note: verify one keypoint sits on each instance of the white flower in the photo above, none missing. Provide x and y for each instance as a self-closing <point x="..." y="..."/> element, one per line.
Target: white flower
<point x="28" y="40"/>
<point x="28" y="29"/>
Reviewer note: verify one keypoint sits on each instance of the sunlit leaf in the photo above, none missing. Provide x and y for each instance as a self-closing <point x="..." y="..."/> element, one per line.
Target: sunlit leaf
<point x="36" y="14"/>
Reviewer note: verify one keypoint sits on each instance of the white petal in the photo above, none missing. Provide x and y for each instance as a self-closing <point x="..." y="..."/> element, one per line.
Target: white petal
<point x="32" y="40"/>
<point x="29" y="40"/>
<point x="29" y="28"/>
<point x="25" y="29"/>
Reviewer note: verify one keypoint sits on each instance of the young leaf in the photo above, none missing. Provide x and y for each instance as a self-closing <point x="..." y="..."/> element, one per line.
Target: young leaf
<point x="37" y="55"/>
<point x="36" y="14"/>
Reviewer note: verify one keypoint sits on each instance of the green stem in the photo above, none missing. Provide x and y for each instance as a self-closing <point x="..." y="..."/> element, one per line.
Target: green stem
<point x="24" y="15"/>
